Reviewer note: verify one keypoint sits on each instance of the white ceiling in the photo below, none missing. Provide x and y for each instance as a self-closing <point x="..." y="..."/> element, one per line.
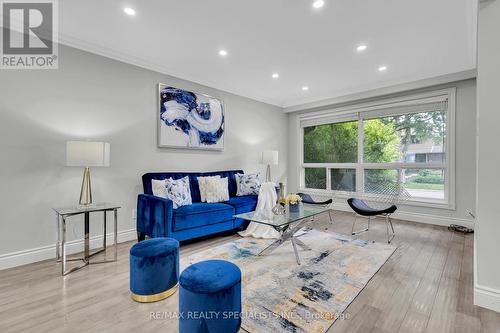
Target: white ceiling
<point x="415" y="39"/>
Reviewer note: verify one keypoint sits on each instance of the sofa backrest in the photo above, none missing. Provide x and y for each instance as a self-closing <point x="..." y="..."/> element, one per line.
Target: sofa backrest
<point x="193" y="180"/>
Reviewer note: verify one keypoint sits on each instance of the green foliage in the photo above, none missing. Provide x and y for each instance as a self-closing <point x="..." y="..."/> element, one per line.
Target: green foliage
<point x="428" y="180"/>
<point x="315" y="178"/>
<point x="419" y="127"/>
<point x="381" y="142"/>
<point x="427" y="176"/>
<point x="331" y="143"/>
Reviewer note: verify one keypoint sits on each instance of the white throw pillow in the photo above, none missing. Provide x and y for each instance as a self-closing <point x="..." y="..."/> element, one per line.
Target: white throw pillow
<point x="158" y="187"/>
<point x="178" y="191"/>
<point x="247" y="184"/>
<point x="203" y="186"/>
<point x="215" y="189"/>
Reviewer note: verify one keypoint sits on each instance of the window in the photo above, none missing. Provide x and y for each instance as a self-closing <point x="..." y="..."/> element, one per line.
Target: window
<point x="405" y="140"/>
<point x="331" y="143"/>
<point x="402" y="137"/>
<point x="315" y="178"/>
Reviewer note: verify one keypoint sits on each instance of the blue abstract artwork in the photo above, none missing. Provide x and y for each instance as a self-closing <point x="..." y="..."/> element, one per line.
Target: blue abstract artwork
<point x="189" y="120"/>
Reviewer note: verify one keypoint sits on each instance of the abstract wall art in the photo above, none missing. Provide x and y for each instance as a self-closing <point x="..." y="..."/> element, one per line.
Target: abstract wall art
<point x="189" y="120"/>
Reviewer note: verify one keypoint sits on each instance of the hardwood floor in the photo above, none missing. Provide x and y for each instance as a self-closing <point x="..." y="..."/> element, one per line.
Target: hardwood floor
<point x="426" y="286"/>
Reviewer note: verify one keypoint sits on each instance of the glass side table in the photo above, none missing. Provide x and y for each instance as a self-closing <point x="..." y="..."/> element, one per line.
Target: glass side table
<point x="63" y="214"/>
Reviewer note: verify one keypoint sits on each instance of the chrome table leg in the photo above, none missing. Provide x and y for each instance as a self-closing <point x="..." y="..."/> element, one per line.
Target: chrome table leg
<point x="87" y="237"/>
<point x="104" y="235"/>
<point x="301" y="244"/>
<point x="295" y="250"/>
<point x="63" y="246"/>
<point x="58" y="244"/>
<point x="116" y="234"/>
<point x="288" y="233"/>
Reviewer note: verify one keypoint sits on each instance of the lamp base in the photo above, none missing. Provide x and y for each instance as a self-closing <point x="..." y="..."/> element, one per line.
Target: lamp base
<point x="268" y="173"/>
<point x="86" y="190"/>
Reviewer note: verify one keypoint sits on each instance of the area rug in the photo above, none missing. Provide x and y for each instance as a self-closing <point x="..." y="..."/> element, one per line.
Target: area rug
<point x="280" y="296"/>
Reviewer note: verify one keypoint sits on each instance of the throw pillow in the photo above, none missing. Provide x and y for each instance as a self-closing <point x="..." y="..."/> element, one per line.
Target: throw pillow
<point x="203" y="186"/>
<point x="178" y="191"/>
<point x="247" y="184"/>
<point x="158" y="187"/>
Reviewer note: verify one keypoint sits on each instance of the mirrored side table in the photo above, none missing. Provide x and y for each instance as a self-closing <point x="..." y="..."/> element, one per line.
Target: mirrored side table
<point x="63" y="214"/>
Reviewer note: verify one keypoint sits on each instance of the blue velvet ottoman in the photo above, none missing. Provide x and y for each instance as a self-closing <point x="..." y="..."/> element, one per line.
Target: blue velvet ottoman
<point x="210" y="298"/>
<point x="154" y="269"/>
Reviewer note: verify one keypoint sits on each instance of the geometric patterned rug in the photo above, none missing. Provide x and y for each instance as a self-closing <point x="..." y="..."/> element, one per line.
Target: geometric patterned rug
<point x="280" y="296"/>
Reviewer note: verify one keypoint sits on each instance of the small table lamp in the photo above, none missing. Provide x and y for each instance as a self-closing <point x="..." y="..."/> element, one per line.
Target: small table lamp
<point x="269" y="157"/>
<point x="87" y="154"/>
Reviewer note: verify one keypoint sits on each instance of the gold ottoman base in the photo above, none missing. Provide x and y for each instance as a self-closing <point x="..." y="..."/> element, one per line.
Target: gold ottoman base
<point x="155" y="297"/>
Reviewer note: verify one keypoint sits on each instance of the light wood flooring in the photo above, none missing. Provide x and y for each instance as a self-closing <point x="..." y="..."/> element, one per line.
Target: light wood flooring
<point x="426" y="286"/>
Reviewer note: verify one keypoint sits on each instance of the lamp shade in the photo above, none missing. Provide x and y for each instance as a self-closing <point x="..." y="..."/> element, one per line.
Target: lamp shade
<point x="87" y="154"/>
<point x="270" y="157"/>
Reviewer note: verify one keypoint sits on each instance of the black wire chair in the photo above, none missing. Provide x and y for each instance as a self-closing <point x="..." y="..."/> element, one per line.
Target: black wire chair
<point x="381" y="200"/>
<point x="307" y="199"/>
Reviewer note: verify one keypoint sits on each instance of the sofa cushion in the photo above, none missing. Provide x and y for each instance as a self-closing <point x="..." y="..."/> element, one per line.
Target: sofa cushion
<point x="200" y="214"/>
<point x="193" y="180"/>
<point x="243" y="204"/>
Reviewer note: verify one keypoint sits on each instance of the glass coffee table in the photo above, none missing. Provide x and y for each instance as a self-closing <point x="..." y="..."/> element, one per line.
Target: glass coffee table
<point x="287" y="225"/>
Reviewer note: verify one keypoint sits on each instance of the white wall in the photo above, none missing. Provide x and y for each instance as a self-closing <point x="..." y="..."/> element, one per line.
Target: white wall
<point x="487" y="237"/>
<point x="92" y="97"/>
<point x="465" y="152"/>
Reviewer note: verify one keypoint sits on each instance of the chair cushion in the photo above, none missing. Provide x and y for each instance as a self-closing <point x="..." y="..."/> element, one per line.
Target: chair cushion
<point x="155" y="247"/>
<point x="210" y="276"/>
<point x="200" y="214"/>
<point x="361" y="208"/>
<point x="306" y="198"/>
<point x="243" y="204"/>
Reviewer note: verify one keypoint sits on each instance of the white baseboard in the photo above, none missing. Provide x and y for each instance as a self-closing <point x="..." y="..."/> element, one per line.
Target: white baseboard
<point x="418" y="217"/>
<point x="29" y="256"/>
<point x="487" y="298"/>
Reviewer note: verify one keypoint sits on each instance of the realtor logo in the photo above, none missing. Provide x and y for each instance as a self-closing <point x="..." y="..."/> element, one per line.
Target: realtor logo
<point x="29" y="34"/>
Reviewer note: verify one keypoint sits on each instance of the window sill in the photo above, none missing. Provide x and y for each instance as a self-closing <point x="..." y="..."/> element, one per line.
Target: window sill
<point x="418" y="202"/>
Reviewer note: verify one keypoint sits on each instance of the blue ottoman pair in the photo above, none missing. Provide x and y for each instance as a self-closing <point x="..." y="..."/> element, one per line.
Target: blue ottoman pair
<point x="210" y="293"/>
<point x="154" y="269"/>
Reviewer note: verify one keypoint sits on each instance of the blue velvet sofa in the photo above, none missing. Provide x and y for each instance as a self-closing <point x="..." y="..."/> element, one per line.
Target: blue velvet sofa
<point x="157" y="218"/>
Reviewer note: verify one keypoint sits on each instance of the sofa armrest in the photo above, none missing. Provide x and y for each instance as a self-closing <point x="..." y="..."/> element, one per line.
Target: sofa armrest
<point x="154" y="216"/>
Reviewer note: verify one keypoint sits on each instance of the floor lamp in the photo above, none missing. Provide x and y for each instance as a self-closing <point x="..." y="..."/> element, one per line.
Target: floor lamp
<point x="269" y="157"/>
<point x="87" y="154"/>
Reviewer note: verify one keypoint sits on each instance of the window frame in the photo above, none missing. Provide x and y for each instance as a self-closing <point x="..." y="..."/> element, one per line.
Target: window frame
<point x="375" y="109"/>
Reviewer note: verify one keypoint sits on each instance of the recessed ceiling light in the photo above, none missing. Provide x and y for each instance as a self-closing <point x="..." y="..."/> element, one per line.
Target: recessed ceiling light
<point x="275" y="75"/>
<point x="223" y="53"/>
<point x="382" y="68"/>
<point x="361" y="48"/>
<point x="129" y="11"/>
<point x="318" y="4"/>
<point x="305" y="88"/>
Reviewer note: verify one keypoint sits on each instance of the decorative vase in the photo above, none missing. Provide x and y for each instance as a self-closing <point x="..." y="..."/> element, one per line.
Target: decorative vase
<point x="279" y="208"/>
<point x="294" y="208"/>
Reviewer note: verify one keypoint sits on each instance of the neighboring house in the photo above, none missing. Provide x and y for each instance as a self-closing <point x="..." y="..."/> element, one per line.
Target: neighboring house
<point x="425" y="152"/>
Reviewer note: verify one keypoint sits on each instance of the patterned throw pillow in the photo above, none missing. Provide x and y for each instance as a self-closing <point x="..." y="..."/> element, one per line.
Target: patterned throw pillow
<point x="214" y="189"/>
<point x="247" y="184"/>
<point x="178" y="191"/>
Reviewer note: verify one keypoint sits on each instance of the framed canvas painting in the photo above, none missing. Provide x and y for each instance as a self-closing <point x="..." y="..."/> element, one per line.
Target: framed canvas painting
<point x="189" y="120"/>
